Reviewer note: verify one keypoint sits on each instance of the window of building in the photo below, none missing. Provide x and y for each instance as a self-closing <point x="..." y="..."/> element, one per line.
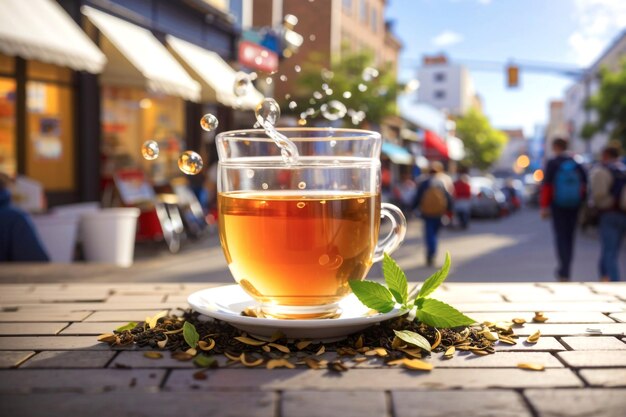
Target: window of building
<point x="8" y="153"/>
<point x="347" y="6"/>
<point x="440" y="94"/>
<point x="364" y="11"/>
<point x="439" y="76"/>
<point x="131" y="116"/>
<point x="374" y="20"/>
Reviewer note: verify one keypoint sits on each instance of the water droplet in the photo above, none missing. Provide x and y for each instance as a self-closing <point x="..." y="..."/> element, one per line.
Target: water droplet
<point x="267" y="111"/>
<point x="264" y="186"/>
<point x="333" y="143"/>
<point x="209" y="122"/>
<point x="333" y="110"/>
<point x="302" y="185"/>
<point x="293" y="105"/>
<point x="347" y="94"/>
<point x="369" y="74"/>
<point x="301" y="204"/>
<point x="250" y="173"/>
<point x="190" y="163"/>
<point x="150" y="150"/>
<point x="242" y="83"/>
<point x="328" y="91"/>
<point x="362" y="87"/>
<point x="317" y="95"/>
<point x="312" y="38"/>
<point x="302" y="122"/>
<point x="283" y="78"/>
<point x="297" y="68"/>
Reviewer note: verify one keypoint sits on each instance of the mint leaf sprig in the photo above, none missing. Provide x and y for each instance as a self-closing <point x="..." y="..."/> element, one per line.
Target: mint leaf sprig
<point x="429" y="311"/>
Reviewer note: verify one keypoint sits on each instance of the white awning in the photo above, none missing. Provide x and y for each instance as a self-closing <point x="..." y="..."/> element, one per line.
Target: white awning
<point x="136" y="57"/>
<point x="216" y="76"/>
<point x="41" y="30"/>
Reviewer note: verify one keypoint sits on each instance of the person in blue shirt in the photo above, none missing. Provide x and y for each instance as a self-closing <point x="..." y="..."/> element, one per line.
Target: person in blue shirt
<point x="18" y="239"/>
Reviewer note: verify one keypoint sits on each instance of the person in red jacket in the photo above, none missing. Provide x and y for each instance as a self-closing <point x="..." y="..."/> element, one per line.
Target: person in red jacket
<point x="462" y="198"/>
<point x="562" y="194"/>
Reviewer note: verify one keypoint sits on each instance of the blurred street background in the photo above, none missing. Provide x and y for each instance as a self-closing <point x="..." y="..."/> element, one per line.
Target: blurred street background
<point x="109" y="111"/>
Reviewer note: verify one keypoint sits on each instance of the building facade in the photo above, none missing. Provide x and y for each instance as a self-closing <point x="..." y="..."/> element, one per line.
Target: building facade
<point x="557" y="126"/>
<point x="576" y="95"/>
<point x="446" y="86"/>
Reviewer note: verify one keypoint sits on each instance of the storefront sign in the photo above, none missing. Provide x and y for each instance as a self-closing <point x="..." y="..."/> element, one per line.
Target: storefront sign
<point x="257" y="57"/>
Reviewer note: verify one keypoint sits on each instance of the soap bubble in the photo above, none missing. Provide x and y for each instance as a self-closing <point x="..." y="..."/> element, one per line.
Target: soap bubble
<point x="150" y="150"/>
<point x="333" y="110"/>
<point x="269" y="80"/>
<point x="209" y="122"/>
<point x="283" y="78"/>
<point x="267" y="111"/>
<point x="317" y="95"/>
<point x="293" y="105"/>
<point x="242" y="83"/>
<point x="362" y="87"/>
<point x="369" y="74"/>
<point x="190" y="163"/>
<point x="328" y="91"/>
<point x="312" y="38"/>
<point x="297" y="68"/>
<point x="347" y="94"/>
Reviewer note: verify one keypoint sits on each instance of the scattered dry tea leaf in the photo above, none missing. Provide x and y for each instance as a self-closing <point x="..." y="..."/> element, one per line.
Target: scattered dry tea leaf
<point x="359" y="359"/>
<point x="337" y="366"/>
<point x="162" y="343"/>
<point x="250" y="341"/>
<point x="413" y="352"/>
<point x="206" y="345"/>
<point x="281" y="348"/>
<point x="379" y="351"/>
<point x="279" y="363"/>
<point x="507" y="340"/>
<point x="417" y="365"/>
<point x="531" y="366"/>
<point x="480" y="352"/>
<point x="449" y="353"/>
<point x="107" y="338"/>
<point x="232" y="357"/>
<point x="539" y="317"/>
<point x="346" y="351"/>
<point x="303" y="344"/>
<point x="250" y="363"/>
<point x="191" y="351"/>
<point x="519" y="321"/>
<point x="182" y="356"/>
<point x="320" y="351"/>
<point x="395" y="362"/>
<point x="534" y="338"/>
<point x="312" y="363"/>
<point x="153" y="355"/>
<point x="491" y="336"/>
<point x="266" y="348"/>
<point x="359" y="342"/>
<point x="152" y="321"/>
<point x="174" y="331"/>
<point x="397" y="343"/>
<point x="437" y="339"/>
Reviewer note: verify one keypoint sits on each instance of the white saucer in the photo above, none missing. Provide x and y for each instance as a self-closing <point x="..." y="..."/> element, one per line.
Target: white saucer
<point x="227" y="302"/>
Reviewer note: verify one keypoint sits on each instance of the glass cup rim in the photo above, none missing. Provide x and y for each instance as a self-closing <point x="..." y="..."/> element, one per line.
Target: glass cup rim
<point x="334" y="134"/>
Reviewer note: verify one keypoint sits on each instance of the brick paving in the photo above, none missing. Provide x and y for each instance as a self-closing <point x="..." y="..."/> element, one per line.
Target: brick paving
<point x="51" y="363"/>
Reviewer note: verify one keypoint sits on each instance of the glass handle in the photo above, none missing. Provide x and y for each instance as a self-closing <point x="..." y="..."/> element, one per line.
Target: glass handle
<point x="398" y="230"/>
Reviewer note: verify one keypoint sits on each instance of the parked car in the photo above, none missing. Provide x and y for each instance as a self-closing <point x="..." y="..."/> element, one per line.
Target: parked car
<point x="487" y="199"/>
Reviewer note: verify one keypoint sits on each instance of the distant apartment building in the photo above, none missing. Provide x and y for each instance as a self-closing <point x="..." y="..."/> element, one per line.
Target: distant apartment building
<point x="329" y="28"/>
<point x="557" y="125"/>
<point x="515" y="146"/>
<point x="446" y="86"/>
<point x="575" y="96"/>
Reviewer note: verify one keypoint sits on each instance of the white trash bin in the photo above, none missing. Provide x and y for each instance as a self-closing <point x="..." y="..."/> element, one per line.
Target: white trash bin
<point x="109" y="235"/>
<point x="58" y="234"/>
<point x="77" y="209"/>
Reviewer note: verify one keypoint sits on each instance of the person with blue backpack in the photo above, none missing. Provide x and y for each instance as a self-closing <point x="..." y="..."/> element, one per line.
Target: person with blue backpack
<point x="608" y="195"/>
<point x="561" y="197"/>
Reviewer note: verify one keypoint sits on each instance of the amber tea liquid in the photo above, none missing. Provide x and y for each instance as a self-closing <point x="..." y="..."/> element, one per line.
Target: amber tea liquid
<point x="298" y="248"/>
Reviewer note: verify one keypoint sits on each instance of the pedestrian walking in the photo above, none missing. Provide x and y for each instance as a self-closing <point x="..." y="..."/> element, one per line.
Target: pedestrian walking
<point x="608" y="195"/>
<point x="463" y="198"/>
<point x="561" y="197"/>
<point x="433" y="200"/>
<point x="18" y="239"/>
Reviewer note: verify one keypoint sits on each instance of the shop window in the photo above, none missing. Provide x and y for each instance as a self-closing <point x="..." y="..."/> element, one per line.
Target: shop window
<point x="439" y="77"/>
<point x="7" y="64"/>
<point x="48" y="72"/>
<point x="50" y="135"/>
<point x="440" y="94"/>
<point x="364" y="11"/>
<point x="8" y="152"/>
<point x="131" y="116"/>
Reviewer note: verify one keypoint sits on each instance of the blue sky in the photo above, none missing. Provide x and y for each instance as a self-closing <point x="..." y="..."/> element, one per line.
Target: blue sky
<point x="568" y="32"/>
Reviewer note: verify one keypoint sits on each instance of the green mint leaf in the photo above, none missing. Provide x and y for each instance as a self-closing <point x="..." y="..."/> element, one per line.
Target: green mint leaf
<point x="373" y="295"/>
<point x="435" y="279"/>
<point x="413" y="338"/>
<point x="395" y="279"/>
<point x="204" y="361"/>
<point x="436" y="313"/>
<point x="128" y="326"/>
<point x="190" y="334"/>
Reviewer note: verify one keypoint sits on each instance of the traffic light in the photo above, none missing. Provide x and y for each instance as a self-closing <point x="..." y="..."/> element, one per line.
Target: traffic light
<point x="512" y="76"/>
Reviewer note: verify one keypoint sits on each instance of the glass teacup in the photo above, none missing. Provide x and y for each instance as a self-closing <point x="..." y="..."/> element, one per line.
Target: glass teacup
<point x="295" y="234"/>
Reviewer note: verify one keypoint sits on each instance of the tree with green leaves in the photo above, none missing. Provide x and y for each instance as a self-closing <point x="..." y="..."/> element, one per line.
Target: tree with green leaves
<point x="368" y="93"/>
<point x="483" y="143"/>
<point x="609" y="103"/>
